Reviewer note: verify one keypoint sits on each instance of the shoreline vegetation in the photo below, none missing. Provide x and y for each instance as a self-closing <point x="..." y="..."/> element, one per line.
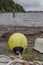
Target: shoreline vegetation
<point x="9" y="6"/>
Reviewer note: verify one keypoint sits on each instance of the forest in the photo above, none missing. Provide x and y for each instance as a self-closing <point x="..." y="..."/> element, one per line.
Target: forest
<point x="9" y="6"/>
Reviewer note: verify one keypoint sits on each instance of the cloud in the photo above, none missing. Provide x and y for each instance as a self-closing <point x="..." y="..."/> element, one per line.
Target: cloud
<point x="31" y="4"/>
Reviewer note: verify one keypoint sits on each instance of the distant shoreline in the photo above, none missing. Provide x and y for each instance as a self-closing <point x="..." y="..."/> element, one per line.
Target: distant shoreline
<point x="34" y="11"/>
<point x="11" y="12"/>
<point x="23" y="12"/>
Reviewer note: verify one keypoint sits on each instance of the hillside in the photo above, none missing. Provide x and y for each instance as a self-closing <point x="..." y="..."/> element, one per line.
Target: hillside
<point x="9" y="5"/>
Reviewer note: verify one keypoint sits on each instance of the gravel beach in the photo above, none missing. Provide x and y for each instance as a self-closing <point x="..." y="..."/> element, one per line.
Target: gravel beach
<point x="30" y="32"/>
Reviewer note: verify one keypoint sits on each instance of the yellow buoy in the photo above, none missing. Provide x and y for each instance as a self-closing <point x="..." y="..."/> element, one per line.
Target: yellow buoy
<point x="17" y="42"/>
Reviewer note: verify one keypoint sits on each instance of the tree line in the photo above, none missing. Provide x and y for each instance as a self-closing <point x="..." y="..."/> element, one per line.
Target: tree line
<point x="10" y="5"/>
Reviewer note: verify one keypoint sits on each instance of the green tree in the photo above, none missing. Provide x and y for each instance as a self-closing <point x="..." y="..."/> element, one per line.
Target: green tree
<point x="9" y="5"/>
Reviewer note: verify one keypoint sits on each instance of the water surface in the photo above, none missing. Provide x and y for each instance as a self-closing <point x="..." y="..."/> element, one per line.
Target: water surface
<point x="22" y="19"/>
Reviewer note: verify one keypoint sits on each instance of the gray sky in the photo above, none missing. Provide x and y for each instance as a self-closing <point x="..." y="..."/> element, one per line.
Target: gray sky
<point x="31" y="4"/>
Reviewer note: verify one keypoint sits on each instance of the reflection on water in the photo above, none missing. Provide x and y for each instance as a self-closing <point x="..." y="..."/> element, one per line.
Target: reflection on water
<point x="22" y="19"/>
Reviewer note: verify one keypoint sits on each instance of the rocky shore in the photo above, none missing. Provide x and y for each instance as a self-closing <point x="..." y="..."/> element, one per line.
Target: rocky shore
<point x="30" y="32"/>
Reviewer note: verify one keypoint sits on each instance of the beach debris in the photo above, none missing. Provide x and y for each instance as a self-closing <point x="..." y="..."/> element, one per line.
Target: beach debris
<point x="17" y="43"/>
<point x="39" y="45"/>
<point x="6" y="60"/>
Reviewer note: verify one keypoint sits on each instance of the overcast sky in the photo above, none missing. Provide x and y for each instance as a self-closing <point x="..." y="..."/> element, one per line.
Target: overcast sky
<point x="31" y="4"/>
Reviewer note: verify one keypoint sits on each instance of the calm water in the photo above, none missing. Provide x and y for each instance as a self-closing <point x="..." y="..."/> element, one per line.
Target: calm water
<point x="22" y="19"/>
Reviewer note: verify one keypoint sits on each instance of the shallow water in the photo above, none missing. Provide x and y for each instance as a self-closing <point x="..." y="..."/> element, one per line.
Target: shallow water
<point x="22" y="19"/>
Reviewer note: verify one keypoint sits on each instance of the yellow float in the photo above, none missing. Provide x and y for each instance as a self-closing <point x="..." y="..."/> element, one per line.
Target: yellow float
<point x="17" y="42"/>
